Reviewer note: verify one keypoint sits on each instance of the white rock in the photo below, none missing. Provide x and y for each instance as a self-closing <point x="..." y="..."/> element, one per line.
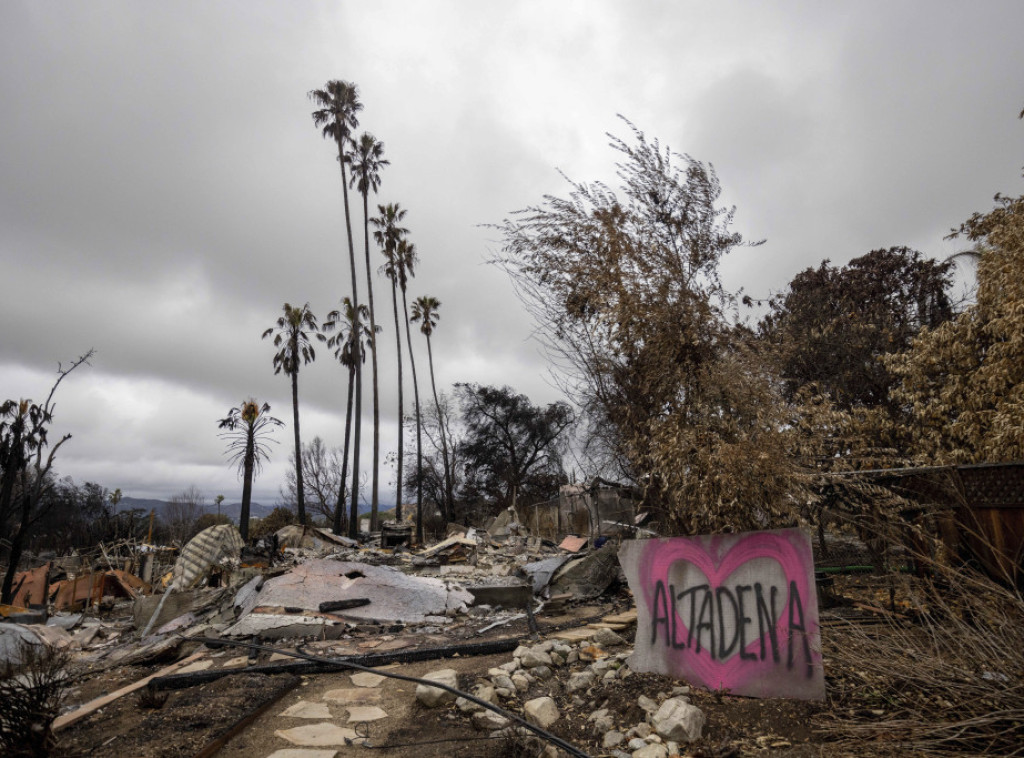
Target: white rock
<point x="542" y="672"/>
<point x="485" y="720"/>
<point x="503" y="682"/>
<point x="533" y="658"/>
<point x="651" y="751"/>
<point x="541" y="711"/>
<point x="434" y="696"/>
<point x="509" y="667"/>
<point x="608" y="638"/>
<point x="612" y="739"/>
<point x="580" y="681"/>
<point x="522" y="684"/>
<point x="636" y="743"/>
<point x="679" y="721"/>
<point x="650" y="706"/>
<point x="317" y="735"/>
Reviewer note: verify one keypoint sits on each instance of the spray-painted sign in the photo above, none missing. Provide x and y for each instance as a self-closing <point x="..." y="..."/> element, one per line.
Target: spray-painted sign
<point x="736" y="612"/>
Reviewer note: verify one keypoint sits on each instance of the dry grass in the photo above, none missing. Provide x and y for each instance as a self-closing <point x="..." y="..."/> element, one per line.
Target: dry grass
<point x="946" y="677"/>
<point x="30" y="700"/>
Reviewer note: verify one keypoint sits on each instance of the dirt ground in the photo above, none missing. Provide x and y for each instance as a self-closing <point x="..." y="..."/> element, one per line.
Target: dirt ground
<point x="193" y="720"/>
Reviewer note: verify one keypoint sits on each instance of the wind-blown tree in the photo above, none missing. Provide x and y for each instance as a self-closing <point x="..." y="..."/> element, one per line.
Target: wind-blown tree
<point x="388" y="234"/>
<point x="26" y="470"/>
<point x="405" y="259"/>
<point x="625" y="286"/>
<point x="963" y="381"/>
<point x="512" y="448"/>
<point x="338" y="105"/>
<point x="293" y="349"/>
<point x="367" y="162"/>
<point x="424" y="311"/>
<point x="349" y="345"/>
<point x="247" y="429"/>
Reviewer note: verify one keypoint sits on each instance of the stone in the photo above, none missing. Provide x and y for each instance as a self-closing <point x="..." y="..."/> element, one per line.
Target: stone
<point x="292" y="752"/>
<point x="542" y="672"/>
<point x="522" y="684"/>
<point x="608" y="638"/>
<point x="366" y="679"/>
<point x="541" y="711"/>
<point x="317" y="735"/>
<point x="197" y="666"/>
<point x="504" y="683"/>
<point x="641" y="730"/>
<point x="678" y="721"/>
<point x="602" y="720"/>
<point x="612" y="739"/>
<point x="304" y="709"/>
<point x="581" y="680"/>
<point x="359" y="713"/>
<point x="486" y="720"/>
<point x="651" y="751"/>
<point x="636" y="743"/>
<point x="352" y="696"/>
<point x="435" y="696"/>
<point x="650" y="706"/>
<point x="236" y="663"/>
<point x="533" y="658"/>
<point x="511" y="667"/>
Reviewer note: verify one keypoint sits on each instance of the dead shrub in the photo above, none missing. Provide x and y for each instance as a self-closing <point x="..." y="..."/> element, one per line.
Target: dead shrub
<point x="30" y="699"/>
<point x="946" y="677"/>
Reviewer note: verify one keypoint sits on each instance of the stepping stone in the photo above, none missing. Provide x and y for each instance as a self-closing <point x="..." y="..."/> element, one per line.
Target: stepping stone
<point x="628" y="617"/>
<point x="197" y="666"/>
<point x="307" y="710"/>
<point x="275" y="657"/>
<point x="317" y="735"/>
<point x="352" y="696"/>
<point x="575" y="635"/>
<point x="236" y="663"/>
<point x="366" y="713"/>
<point x="366" y="679"/>
<point x="293" y="752"/>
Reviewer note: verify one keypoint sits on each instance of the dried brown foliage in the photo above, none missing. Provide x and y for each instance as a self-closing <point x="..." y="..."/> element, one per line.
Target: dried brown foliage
<point x="30" y="699"/>
<point x="946" y="677"/>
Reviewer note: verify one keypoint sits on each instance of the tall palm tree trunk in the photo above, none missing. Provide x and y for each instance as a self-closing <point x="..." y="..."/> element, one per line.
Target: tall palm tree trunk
<point x="401" y="405"/>
<point x="353" y="524"/>
<point x="419" y="424"/>
<point x="249" y="465"/>
<point x="339" y="509"/>
<point x="373" y="357"/>
<point x="353" y="512"/>
<point x="299" y="492"/>
<point x="449" y="506"/>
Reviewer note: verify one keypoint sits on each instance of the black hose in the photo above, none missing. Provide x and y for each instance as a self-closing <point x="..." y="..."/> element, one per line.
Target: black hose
<point x="542" y="733"/>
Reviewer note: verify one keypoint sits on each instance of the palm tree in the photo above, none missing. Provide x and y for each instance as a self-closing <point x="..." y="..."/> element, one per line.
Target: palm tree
<point x="367" y="163"/>
<point x="405" y="261"/>
<point x="387" y="236"/>
<point x="247" y="428"/>
<point x="425" y="310"/>
<point x="349" y="346"/>
<point x="294" y="349"/>
<point x="338" y="105"/>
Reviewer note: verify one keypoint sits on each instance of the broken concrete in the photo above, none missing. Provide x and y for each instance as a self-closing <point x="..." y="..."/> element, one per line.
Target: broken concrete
<point x="588" y="576"/>
<point x="393" y="596"/>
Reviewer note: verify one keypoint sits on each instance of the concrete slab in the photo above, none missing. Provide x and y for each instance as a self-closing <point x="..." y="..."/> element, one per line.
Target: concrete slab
<point x="293" y="752"/>
<point x="317" y="735"/>
<point x="236" y="663"/>
<point x="575" y="635"/>
<point x="305" y="709"/>
<point x="366" y="713"/>
<point x="366" y="679"/>
<point x="393" y="596"/>
<point x="197" y="666"/>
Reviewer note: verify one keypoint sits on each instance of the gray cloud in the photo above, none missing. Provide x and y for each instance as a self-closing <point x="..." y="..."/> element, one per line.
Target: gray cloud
<point x="163" y="190"/>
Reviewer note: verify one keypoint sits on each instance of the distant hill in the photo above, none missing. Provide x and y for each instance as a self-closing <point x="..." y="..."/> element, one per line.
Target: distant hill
<point x="231" y="510"/>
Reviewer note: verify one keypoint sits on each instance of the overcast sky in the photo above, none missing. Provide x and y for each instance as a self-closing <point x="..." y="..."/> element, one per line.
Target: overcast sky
<point x="163" y="190"/>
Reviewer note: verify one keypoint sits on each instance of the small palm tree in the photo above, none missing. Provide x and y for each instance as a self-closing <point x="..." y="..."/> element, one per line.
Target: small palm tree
<point x="247" y="430"/>
<point x="424" y="310"/>
<point x="293" y="349"/>
<point x="349" y="345"/>
<point x="367" y="162"/>
<point x="387" y="236"/>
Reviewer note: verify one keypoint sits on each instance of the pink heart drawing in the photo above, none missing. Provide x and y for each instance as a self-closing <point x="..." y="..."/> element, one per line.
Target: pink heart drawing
<point x="797" y="669"/>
